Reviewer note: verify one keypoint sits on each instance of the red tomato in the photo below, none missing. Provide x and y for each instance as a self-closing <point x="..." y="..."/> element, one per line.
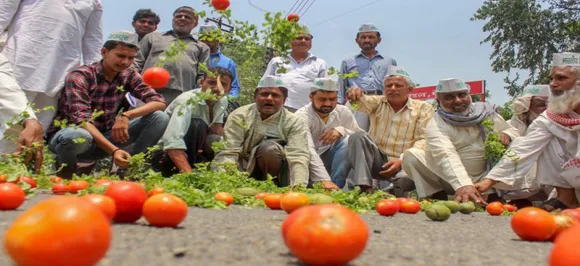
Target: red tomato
<point x="3" y="179"/>
<point x="103" y="203"/>
<point x="565" y="249"/>
<point x="574" y="213"/>
<point x="261" y="195"/>
<point x="59" y="188"/>
<point x="129" y="198"/>
<point x="154" y="191"/>
<point x="293" y="201"/>
<point x="327" y="227"/>
<point x="11" y="196"/>
<point x="563" y="222"/>
<point x="69" y="224"/>
<point x="273" y="201"/>
<point x="293" y="17"/>
<point x="401" y="200"/>
<point x="289" y="221"/>
<point x="225" y="197"/>
<point x="165" y="210"/>
<point x="76" y="186"/>
<point x="387" y="207"/>
<point x="510" y="208"/>
<point x="533" y="224"/>
<point x="103" y="182"/>
<point x="55" y="179"/>
<point x="29" y="180"/>
<point x="220" y="4"/>
<point x="410" y="206"/>
<point x="494" y="208"/>
<point x="156" y="77"/>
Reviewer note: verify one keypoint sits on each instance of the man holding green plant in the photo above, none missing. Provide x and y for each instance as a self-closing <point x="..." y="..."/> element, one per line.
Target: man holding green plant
<point x="196" y="122"/>
<point x="265" y="139"/>
<point x="454" y="158"/>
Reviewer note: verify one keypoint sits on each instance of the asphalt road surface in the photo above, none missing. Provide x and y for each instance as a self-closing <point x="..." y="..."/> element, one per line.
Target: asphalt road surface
<point x="241" y="236"/>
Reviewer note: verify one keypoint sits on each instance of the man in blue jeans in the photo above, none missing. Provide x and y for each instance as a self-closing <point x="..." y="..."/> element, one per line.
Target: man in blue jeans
<point x="89" y="104"/>
<point x="329" y="126"/>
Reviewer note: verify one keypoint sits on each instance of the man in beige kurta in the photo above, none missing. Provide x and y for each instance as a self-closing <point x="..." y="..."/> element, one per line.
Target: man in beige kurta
<point x="454" y="158"/>
<point x="397" y="123"/>
<point x="264" y="138"/>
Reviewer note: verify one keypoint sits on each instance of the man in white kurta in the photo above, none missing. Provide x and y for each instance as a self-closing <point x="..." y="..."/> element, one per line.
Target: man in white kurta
<point x="329" y="126"/>
<point x="455" y="159"/>
<point x="25" y="129"/>
<point x="45" y="41"/>
<point x="553" y="140"/>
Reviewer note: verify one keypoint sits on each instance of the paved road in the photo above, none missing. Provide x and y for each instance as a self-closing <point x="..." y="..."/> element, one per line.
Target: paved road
<point x="240" y="236"/>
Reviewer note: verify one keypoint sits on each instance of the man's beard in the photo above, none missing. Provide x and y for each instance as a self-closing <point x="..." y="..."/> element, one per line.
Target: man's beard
<point x="565" y="102"/>
<point x="322" y="111"/>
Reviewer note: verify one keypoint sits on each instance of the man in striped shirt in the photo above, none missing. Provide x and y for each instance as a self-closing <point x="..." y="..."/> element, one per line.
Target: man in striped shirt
<point x="397" y="123"/>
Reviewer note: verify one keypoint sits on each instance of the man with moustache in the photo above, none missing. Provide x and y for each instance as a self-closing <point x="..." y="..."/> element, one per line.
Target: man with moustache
<point x="372" y="68"/>
<point x="455" y="155"/>
<point x="145" y="21"/>
<point x="185" y="69"/>
<point x="397" y="124"/>
<point x="265" y="139"/>
<point x="194" y="124"/>
<point x="302" y="67"/>
<point x="329" y="126"/>
<point x="94" y="88"/>
<point x="553" y="140"/>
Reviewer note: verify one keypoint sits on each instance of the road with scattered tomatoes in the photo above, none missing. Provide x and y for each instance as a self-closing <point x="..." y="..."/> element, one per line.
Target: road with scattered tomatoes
<point x="240" y="236"/>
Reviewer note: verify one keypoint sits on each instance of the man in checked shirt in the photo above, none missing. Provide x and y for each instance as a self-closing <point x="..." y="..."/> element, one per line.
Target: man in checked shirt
<point x="100" y="87"/>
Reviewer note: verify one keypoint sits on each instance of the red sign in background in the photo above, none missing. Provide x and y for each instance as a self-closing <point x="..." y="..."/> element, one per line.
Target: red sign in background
<point x="426" y="93"/>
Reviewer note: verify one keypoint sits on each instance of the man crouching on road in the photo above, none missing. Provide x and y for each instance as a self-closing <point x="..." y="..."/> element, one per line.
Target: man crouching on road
<point x="196" y="121"/>
<point x="100" y="87"/>
<point x="264" y="138"/>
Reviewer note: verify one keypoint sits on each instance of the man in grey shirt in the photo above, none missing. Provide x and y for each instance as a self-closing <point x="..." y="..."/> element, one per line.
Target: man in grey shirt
<point x="185" y="69"/>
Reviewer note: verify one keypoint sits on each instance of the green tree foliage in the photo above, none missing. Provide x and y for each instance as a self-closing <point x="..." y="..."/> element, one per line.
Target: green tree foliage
<point x="525" y="33"/>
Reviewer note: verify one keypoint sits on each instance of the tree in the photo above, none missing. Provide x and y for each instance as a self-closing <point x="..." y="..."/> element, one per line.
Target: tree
<point x="525" y="33"/>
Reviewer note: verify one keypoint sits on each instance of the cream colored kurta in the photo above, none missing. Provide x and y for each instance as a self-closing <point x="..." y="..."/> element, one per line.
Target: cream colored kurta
<point x="341" y="119"/>
<point x="245" y="130"/>
<point x="454" y="155"/>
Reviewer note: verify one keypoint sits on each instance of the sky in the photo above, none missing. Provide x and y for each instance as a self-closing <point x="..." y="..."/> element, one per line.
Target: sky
<point x="431" y="39"/>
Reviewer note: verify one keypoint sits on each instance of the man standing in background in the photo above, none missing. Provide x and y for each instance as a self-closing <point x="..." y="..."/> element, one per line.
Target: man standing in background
<point x="46" y="40"/>
<point x="371" y="66"/>
<point x="145" y="21"/>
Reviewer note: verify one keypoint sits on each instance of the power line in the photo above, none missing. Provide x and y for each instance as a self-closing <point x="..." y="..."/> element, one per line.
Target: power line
<point x="308" y="8"/>
<point x="350" y="11"/>
<point x="257" y="7"/>
<point x="290" y="10"/>
<point x="300" y="10"/>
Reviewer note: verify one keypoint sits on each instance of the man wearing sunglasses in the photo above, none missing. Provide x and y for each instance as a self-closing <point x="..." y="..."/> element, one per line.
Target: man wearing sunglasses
<point x="145" y="21"/>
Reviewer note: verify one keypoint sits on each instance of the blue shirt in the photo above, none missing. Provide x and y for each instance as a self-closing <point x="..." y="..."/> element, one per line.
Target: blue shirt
<point x="220" y="60"/>
<point x="371" y="73"/>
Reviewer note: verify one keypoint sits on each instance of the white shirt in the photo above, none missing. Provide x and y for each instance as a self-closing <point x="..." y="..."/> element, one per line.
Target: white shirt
<point x="46" y="39"/>
<point x="341" y="119"/>
<point x="298" y="77"/>
<point x="12" y="103"/>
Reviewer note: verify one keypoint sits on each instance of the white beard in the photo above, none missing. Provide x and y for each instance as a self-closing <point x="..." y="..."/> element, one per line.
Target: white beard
<point x="566" y="102"/>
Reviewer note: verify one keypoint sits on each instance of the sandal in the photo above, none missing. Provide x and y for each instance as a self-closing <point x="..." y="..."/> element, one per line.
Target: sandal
<point x="554" y="204"/>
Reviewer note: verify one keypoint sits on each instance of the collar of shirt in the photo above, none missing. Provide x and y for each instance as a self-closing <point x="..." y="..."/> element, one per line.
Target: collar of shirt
<point x="377" y="54"/>
<point x="218" y="53"/>
<point x="98" y="68"/>
<point x="410" y="104"/>
<point x="171" y="32"/>
<point x="310" y="56"/>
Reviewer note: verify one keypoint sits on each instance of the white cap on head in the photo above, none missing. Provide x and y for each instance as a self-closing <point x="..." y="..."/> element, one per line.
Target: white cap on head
<point x="270" y="82"/>
<point x="124" y="37"/>
<point x="368" y="27"/>
<point x="566" y="59"/>
<point x="325" y="84"/>
<point x="397" y="71"/>
<point x="451" y="85"/>
<point x="537" y="90"/>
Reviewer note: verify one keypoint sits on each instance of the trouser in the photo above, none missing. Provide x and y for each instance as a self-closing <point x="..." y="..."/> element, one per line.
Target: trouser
<point x="336" y="161"/>
<point x="270" y="160"/>
<point x="73" y="144"/>
<point x="198" y="143"/>
<point x="363" y="120"/>
<point x="427" y="179"/>
<point x="40" y="101"/>
<point x="169" y="94"/>
<point x="550" y="171"/>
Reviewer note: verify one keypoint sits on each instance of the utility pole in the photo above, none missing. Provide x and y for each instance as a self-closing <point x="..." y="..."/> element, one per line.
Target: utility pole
<point x="221" y="25"/>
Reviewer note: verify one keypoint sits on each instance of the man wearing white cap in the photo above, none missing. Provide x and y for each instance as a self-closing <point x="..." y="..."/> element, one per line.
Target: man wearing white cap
<point x="553" y="140"/>
<point x="265" y="139"/>
<point x="397" y="123"/>
<point x="529" y="106"/>
<point x="100" y="87"/>
<point x="329" y="126"/>
<point x="371" y="66"/>
<point x="45" y="41"/>
<point x="301" y="68"/>
<point x="455" y="156"/>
